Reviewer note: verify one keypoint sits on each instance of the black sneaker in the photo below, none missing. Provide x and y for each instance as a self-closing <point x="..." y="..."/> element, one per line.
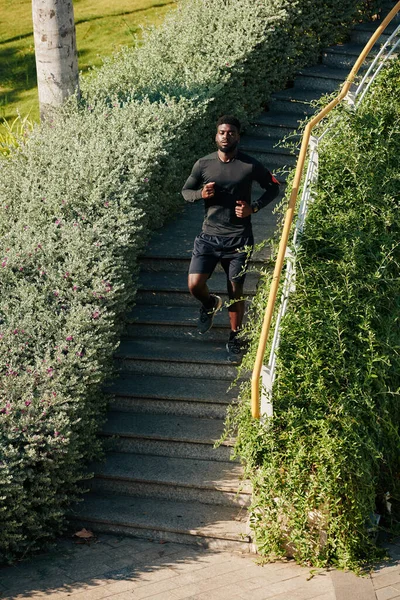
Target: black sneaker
<point x="206" y="317"/>
<point x="235" y="348"/>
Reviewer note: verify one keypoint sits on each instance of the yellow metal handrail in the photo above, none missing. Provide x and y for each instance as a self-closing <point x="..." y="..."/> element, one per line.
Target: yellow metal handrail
<point x="255" y="380"/>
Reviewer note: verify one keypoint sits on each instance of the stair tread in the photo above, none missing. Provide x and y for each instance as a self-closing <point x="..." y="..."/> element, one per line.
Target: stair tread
<point x="324" y="71"/>
<point x="172" y="315"/>
<point x="165" y="427"/>
<point x="183" y="472"/>
<point x="199" y="350"/>
<point x="195" y="518"/>
<point x="373" y="26"/>
<point x="177" y="282"/>
<point x="173" y="388"/>
<point x="277" y="119"/>
<point x="260" y="144"/>
<point x="351" y="49"/>
<point x="298" y="95"/>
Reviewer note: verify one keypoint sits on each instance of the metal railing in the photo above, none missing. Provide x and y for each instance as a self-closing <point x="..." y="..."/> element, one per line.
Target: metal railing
<point x="308" y="142"/>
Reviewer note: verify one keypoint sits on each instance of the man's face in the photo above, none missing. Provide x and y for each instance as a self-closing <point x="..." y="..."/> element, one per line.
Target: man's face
<point x="227" y="138"/>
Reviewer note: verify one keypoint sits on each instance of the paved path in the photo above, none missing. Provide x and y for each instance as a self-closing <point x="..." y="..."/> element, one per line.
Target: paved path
<point x="124" y="568"/>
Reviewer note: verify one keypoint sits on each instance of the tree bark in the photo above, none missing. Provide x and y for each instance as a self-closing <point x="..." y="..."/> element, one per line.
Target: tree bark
<point x="55" y="52"/>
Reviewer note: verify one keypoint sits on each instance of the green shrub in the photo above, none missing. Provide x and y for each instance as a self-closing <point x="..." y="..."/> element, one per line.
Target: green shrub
<point x="77" y="203"/>
<point x="322" y="466"/>
<point x="10" y="134"/>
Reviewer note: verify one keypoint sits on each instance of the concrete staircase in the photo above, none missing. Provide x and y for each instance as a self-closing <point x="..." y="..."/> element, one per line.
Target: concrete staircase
<point x="163" y="478"/>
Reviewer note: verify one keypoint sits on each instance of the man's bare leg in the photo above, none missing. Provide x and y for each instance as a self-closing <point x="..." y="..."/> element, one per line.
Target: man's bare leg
<point x="236" y="310"/>
<point x="234" y="345"/>
<point x="197" y="283"/>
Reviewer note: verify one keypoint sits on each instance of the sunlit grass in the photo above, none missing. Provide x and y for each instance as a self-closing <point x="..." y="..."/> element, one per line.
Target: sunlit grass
<point x="101" y="28"/>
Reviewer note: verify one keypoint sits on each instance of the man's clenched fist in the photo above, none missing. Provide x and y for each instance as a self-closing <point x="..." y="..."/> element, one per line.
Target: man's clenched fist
<point x="242" y="209"/>
<point x="208" y="190"/>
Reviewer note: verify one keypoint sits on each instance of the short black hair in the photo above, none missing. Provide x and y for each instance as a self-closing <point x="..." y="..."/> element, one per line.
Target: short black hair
<point x="229" y="120"/>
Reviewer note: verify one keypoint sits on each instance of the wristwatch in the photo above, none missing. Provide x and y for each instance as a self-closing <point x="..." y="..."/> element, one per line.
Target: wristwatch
<point x="255" y="208"/>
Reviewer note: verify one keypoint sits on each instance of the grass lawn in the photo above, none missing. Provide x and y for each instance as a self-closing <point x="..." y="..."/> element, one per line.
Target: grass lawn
<point x="102" y="26"/>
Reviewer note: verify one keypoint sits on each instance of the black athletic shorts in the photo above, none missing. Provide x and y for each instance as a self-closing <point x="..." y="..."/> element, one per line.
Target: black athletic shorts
<point x="209" y="250"/>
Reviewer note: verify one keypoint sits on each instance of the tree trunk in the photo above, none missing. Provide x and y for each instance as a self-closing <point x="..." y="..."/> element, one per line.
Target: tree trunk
<point x="55" y="52"/>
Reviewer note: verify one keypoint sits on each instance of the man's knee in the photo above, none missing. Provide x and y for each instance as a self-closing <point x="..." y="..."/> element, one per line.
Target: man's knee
<point x="235" y="290"/>
<point x="197" y="283"/>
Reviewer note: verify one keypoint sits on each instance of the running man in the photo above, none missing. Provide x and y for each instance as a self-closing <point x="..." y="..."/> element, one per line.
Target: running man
<point x="223" y="180"/>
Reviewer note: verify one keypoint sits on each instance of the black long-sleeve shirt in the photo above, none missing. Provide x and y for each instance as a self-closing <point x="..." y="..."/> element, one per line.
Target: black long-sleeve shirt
<point x="233" y="181"/>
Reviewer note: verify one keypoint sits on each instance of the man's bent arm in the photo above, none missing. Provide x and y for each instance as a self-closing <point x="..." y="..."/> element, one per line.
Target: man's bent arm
<point x="268" y="182"/>
<point x="192" y="189"/>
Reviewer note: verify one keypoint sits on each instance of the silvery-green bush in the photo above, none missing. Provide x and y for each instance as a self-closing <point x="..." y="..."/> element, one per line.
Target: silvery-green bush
<point x="77" y="203"/>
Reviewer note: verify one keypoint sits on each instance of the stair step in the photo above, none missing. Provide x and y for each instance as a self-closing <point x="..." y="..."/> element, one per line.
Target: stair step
<point x="362" y="33"/>
<point x="173" y="322"/>
<point x="185" y="522"/>
<point x="179" y="479"/>
<point x="172" y="395"/>
<point x="253" y="143"/>
<point x="164" y="356"/>
<point x="345" y="55"/>
<point x="167" y="435"/>
<point x="324" y="78"/>
<point x="294" y="101"/>
<point x="274" y="125"/>
<point x="171" y="288"/>
<point x="265" y="151"/>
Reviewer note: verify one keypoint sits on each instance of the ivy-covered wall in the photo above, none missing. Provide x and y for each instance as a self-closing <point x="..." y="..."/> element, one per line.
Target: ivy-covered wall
<point x="328" y="462"/>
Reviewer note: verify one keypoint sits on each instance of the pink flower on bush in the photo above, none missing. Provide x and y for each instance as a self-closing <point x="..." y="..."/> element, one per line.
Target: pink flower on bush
<point x="56" y="293"/>
<point x="69" y="338"/>
<point x="28" y="402"/>
<point x="95" y="314"/>
<point x="50" y="372"/>
<point x="74" y="287"/>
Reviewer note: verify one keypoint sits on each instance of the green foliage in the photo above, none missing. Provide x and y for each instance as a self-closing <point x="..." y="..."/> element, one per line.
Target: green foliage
<point x="12" y="133"/>
<point x="322" y="466"/>
<point x="77" y="202"/>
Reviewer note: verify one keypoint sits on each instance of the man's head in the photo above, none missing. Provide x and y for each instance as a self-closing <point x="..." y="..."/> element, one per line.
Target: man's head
<point x="228" y="134"/>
